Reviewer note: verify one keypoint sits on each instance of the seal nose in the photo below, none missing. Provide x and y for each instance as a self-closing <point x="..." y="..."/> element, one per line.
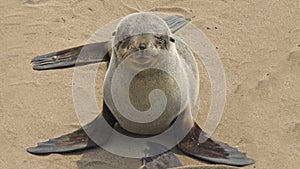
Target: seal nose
<point x="142" y="46"/>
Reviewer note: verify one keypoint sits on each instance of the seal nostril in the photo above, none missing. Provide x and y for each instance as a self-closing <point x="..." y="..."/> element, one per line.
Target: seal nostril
<point x="142" y="46"/>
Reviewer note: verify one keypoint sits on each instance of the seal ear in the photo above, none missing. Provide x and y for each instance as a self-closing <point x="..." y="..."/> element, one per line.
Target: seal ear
<point x="172" y="39"/>
<point x="114" y="33"/>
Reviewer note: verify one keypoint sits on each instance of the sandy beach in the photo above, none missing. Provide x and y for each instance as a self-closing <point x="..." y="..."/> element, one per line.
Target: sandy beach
<point x="258" y="42"/>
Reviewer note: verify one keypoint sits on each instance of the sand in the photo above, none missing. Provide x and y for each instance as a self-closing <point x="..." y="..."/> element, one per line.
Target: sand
<point x="258" y="42"/>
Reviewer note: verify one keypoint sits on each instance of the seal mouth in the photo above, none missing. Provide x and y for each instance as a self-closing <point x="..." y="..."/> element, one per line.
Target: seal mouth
<point x="143" y="59"/>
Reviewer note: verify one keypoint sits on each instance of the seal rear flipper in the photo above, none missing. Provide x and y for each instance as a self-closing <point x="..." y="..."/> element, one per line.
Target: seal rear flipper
<point x="77" y="140"/>
<point x="212" y="150"/>
<point x="90" y="53"/>
<point x="99" y="130"/>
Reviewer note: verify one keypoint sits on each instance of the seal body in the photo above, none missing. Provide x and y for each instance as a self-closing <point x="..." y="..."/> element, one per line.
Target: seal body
<point x="152" y="59"/>
<point x="152" y="80"/>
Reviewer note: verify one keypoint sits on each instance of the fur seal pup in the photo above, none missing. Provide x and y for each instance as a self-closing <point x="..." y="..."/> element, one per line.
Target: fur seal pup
<point x="144" y="41"/>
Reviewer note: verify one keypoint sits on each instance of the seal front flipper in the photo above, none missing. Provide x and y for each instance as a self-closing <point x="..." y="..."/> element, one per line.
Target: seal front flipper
<point x="99" y="130"/>
<point x="176" y="22"/>
<point x="212" y="150"/>
<point x="90" y="53"/>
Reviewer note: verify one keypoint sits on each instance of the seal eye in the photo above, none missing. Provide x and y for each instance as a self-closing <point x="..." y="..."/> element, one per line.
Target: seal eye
<point x="125" y="44"/>
<point x="130" y="46"/>
<point x="159" y="39"/>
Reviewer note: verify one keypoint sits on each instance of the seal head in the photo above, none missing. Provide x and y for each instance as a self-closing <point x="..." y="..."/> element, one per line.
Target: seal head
<point x="147" y="24"/>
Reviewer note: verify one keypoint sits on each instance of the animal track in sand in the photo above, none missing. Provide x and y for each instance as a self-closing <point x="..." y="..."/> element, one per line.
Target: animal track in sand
<point x="34" y="1"/>
<point x="294" y="55"/>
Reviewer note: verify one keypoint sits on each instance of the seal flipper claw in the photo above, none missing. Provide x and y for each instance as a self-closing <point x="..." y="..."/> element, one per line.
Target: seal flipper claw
<point x="212" y="150"/>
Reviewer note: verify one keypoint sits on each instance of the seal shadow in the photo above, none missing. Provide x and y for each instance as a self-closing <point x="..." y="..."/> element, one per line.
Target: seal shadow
<point x="99" y="158"/>
<point x="96" y="158"/>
